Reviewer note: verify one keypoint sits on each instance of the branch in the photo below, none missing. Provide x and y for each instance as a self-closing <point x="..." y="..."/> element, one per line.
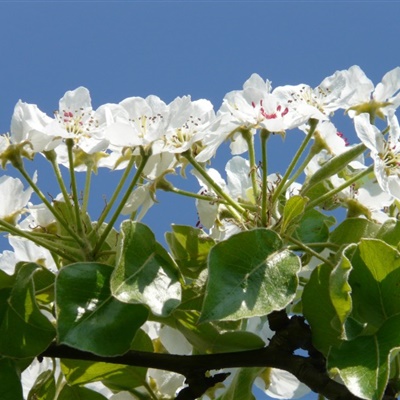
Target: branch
<point x="290" y="334"/>
<point x="194" y="367"/>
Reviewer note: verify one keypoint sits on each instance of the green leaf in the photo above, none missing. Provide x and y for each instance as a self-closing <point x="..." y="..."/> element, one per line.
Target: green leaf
<point x="340" y="290"/>
<point x="10" y="383"/>
<point x="375" y="282"/>
<point x="249" y="275"/>
<point x="24" y="330"/>
<point x="79" y="393"/>
<point x="89" y="317"/>
<point x="123" y="377"/>
<point x="44" y="387"/>
<point x="145" y="273"/>
<point x="6" y="281"/>
<point x="44" y="285"/>
<point x="334" y="165"/>
<point x="319" y="311"/>
<point x="242" y="384"/>
<point x="314" y="227"/>
<point x="352" y="230"/>
<point x="208" y="338"/>
<point x="189" y="247"/>
<point x="363" y="363"/>
<point x="390" y="232"/>
<point x="292" y="212"/>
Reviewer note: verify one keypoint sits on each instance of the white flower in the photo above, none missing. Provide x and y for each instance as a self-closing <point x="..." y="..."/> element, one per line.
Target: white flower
<point x="140" y="197"/>
<point x="252" y="108"/>
<point x="188" y="122"/>
<point x="29" y="124"/>
<point x="239" y="187"/>
<point x="281" y="384"/>
<point x="13" y="198"/>
<point x="140" y="123"/>
<point x="25" y="250"/>
<point x="376" y="101"/>
<point x="39" y="217"/>
<point x="75" y="119"/>
<point x="30" y="374"/>
<point x="317" y="102"/>
<point x="385" y="153"/>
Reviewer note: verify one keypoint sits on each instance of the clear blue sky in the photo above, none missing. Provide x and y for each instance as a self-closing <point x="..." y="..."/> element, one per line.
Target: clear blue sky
<point x="172" y="48"/>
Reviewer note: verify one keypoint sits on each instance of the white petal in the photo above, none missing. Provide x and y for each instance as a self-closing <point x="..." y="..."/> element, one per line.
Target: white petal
<point x="389" y="86"/>
<point x="369" y="134"/>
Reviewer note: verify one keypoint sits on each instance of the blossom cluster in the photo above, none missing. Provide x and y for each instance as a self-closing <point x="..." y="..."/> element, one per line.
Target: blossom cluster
<point x="114" y="133"/>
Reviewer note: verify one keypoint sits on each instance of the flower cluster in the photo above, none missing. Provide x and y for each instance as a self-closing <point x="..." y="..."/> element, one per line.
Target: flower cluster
<point x="147" y="140"/>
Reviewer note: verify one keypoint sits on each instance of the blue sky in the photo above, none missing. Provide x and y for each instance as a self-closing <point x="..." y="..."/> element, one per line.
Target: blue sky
<point x="206" y="49"/>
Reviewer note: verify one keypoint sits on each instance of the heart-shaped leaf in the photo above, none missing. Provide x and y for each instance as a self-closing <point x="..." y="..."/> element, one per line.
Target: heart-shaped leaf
<point x="249" y="275"/>
<point x="89" y="317"/>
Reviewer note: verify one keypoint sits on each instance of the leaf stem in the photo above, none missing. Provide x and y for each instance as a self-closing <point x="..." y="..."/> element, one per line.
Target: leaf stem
<point x="59" y="217"/>
<point x="308" y="250"/>
<point x="75" y="198"/>
<point x="313" y="125"/>
<point x="121" y="205"/>
<point x="332" y="192"/>
<point x="264" y="187"/>
<point x="116" y="193"/>
<point x="237" y="209"/>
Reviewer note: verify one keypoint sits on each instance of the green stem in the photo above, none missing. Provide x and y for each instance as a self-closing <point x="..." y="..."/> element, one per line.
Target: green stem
<point x="264" y="138"/>
<point x="299" y="170"/>
<point x="150" y="390"/>
<point x="337" y="190"/>
<point x="122" y="203"/>
<point x="237" y="209"/>
<point x="308" y="250"/>
<point x="87" y="190"/>
<point x="313" y="125"/>
<point x="75" y="198"/>
<point x="252" y="160"/>
<point x="59" y="217"/>
<point x="116" y="193"/>
<point x="49" y="245"/>
<point x="51" y="156"/>
<point x="181" y="192"/>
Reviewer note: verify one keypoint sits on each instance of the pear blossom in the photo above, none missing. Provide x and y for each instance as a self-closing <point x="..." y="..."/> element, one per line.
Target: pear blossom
<point x="256" y="107"/>
<point x="252" y="108"/>
<point x="385" y="153"/>
<point x="30" y="374"/>
<point x="39" y="217"/>
<point x="320" y="102"/>
<point x="142" y="197"/>
<point x="27" y="251"/>
<point x="281" y="384"/>
<point x="75" y="119"/>
<point x="13" y="198"/>
<point x="139" y="122"/>
<point x="29" y="124"/>
<point x="188" y="122"/>
<point x="373" y="100"/>
<point x="368" y="200"/>
<point x="239" y="187"/>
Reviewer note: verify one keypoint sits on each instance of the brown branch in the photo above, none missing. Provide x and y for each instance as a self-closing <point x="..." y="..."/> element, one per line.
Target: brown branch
<point x="188" y="366"/>
<point x="290" y="334"/>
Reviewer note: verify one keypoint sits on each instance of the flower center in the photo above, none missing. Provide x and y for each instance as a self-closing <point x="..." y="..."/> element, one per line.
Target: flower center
<point x="391" y="159"/>
<point x="145" y="123"/>
<point x="277" y="113"/>
<point x="77" y="122"/>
